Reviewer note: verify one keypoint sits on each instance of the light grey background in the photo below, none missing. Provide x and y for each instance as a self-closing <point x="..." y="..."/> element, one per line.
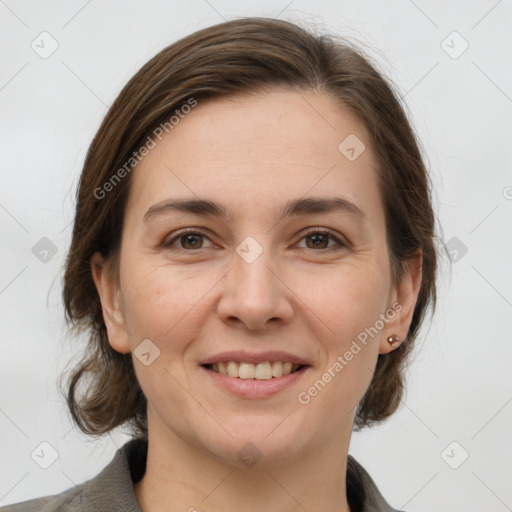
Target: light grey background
<point x="459" y="386"/>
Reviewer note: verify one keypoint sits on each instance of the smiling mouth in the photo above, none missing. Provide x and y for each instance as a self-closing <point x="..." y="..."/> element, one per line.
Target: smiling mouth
<point x="261" y="371"/>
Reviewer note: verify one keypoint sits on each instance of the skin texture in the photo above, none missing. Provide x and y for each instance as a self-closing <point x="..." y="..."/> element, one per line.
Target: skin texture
<point x="253" y="153"/>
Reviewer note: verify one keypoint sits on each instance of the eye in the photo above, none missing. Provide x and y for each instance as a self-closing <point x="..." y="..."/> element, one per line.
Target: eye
<point x="189" y="239"/>
<point x="319" y="238"/>
<point x="192" y="239"/>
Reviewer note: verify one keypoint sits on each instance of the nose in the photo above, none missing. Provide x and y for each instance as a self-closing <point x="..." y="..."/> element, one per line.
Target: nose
<point x="255" y="295"/>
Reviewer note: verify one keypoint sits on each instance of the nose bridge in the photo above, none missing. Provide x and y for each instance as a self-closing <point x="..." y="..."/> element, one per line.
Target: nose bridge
<point x="252" y="277"/>
<point x="253" y="293"/>
<point x="252" y="272"/>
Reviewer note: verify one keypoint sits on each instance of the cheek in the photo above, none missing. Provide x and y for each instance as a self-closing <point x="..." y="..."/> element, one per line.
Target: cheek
<point x="345" y="301"/>
<point x="344" y="307"/>
<point x="161" y="303"/>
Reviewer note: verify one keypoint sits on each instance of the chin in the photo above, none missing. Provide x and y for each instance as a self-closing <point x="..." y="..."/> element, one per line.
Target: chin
<point x="259" y="442"/>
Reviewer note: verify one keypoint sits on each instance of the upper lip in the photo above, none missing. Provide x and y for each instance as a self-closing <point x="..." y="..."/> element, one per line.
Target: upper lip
<point x="254" y="357"/>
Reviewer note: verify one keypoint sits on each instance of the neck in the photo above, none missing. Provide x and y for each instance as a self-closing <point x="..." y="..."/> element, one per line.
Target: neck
<point x="180" y="477"/>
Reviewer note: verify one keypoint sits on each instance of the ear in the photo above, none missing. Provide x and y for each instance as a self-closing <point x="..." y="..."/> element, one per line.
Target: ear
<point x="113" y="315"/>
<point x="404" y="296"/>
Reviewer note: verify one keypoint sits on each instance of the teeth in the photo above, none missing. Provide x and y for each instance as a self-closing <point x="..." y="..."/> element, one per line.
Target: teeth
<point x="246" y="371"/>
<point x="263" y="371"/>
<point x="222" y="368"/>
<point x="259" y="371"/>
<point x="277" y="369"/>
<point x="232" y="369"/>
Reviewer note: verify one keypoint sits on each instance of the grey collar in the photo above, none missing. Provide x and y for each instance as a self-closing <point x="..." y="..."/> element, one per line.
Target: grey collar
<point x="112" y="489"/>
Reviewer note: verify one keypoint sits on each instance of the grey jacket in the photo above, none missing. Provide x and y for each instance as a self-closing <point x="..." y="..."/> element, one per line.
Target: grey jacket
<point x="112" y="489"/>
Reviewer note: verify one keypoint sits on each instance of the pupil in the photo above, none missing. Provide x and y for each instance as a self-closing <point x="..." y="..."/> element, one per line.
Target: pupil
<point x="188" y="238"/>
<point x="317" y="240"/>
<point x="316" y="237"/>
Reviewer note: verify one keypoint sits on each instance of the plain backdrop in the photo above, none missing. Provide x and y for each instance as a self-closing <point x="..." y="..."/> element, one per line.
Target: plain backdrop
<point x="449" y="446"/>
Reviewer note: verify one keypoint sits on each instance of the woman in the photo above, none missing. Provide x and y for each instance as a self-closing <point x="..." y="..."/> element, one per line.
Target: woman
<point x="252" y="256"/>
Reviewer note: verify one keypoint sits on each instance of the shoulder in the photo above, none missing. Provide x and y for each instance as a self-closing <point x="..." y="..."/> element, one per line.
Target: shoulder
<point x="109" y="491"/>
<point x="66" y="501"/>
<point x="362" y="492"/>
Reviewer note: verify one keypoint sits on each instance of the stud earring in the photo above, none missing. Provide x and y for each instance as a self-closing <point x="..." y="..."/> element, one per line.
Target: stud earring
<point x="394" y="340"/>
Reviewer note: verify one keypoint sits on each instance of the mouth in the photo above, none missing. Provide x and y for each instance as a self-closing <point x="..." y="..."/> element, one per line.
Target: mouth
<point x="265" y="370"/>
<point x="251" y="375"/>
<point x="258" y="380"/>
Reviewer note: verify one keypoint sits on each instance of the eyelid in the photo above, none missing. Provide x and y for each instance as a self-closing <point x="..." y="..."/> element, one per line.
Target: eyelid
<point x="182" y="232"/>
<point x="341" y="241"/>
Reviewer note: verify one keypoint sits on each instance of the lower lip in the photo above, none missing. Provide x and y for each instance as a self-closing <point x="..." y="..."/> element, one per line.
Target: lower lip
<point x="253" y="388"/>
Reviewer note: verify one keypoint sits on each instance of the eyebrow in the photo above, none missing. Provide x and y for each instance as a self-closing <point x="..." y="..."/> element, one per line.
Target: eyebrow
<point x="302" y="206"/>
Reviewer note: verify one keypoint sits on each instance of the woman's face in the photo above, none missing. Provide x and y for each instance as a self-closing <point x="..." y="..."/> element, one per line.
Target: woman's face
<point x="256" y="285"/>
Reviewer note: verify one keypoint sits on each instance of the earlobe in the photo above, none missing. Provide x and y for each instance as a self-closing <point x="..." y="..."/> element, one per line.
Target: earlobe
<point x="406" y="293"/>
<point x="394" y="341"/>
<point x="113" y="315"/>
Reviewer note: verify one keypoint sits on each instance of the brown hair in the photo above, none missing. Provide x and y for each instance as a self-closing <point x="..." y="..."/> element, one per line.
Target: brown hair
<point x="238" y="56"/>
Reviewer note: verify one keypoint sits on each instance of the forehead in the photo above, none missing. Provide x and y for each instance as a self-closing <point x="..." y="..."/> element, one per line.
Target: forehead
<point x="259" y="148"/>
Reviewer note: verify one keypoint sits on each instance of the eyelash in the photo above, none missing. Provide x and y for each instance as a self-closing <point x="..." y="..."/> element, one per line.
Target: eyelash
<point x="324" y="231"/>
